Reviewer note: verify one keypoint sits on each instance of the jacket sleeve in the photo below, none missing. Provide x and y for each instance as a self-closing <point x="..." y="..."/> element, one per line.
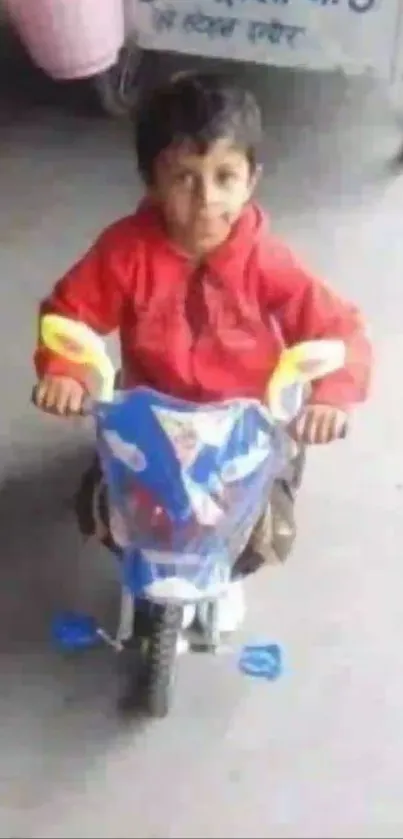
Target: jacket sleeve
<point x="91" y="292"/>
<point x="306" y="309"/>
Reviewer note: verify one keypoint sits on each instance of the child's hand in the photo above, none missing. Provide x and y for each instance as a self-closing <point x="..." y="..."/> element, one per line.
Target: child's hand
<point x="59" y="395"/>
<point x="319" y="424"/>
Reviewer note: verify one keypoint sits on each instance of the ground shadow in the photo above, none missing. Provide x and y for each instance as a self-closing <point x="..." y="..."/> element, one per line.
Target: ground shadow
<point x="52" y="702"/>
<point x="45" y="565"/>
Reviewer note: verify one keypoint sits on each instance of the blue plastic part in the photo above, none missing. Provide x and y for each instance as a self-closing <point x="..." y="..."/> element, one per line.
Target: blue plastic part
<point x="262" y="660"/>
<point x="74" y="631"/>
<point x="182" y="498"/>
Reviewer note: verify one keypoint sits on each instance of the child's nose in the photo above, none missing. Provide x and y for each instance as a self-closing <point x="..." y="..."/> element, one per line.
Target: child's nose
<point x="207" y="193"/>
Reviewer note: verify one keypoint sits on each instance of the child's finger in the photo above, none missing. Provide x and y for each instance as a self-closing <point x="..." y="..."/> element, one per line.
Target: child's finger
<point x="48" y="397"/>
<point x="322" y="427"/>
<point x="305" y="428"/>
<point x="341" y="426"/>
<point x="56" y="399"/>
<point x="38" y="394"/>
<point x="59" y="396"/>
<point x="319" y="425"/>
<point x="330" y="427"/>
<point x="75" y="401"/>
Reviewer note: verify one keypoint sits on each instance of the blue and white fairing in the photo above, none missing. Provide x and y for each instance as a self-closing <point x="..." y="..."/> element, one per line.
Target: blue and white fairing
<point x="186" y="485"/>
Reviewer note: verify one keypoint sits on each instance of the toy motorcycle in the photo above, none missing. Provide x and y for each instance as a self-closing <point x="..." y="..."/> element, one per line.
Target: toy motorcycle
<point x="186" y="484"/>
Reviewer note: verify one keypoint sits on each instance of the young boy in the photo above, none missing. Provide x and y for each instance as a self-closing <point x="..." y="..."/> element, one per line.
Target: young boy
<point x="203" y="295"/>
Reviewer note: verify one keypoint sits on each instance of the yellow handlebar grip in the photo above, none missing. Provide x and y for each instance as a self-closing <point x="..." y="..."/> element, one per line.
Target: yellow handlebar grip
<point x="298" y="366"/>
<point x="79" y="344"/>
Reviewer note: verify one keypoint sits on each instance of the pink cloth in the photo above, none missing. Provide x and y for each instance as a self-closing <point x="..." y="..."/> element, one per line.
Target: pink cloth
<point x="69" y="38"/>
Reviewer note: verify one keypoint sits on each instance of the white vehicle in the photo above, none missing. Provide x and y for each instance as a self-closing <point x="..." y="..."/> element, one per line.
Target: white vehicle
<point x="104" y="39"/>
<point x="358" y="36"/>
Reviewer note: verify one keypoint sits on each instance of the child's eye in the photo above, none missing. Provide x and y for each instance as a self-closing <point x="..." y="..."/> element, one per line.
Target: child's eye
<point x="225" y="177"/>
<point x="184" y="178"/>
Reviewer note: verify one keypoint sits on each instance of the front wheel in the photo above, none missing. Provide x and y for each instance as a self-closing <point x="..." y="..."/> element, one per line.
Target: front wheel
<point x="165" y="628"/>
<point x="117" y="87"/>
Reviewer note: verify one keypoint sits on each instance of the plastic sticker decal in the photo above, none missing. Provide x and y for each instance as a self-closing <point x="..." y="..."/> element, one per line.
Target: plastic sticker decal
<point x="127" y="453"/>
<point x="190" y="432"/>
<point x="207" y="512"/>
<point x="244" y="465"/>
<point x="180" y="430"/>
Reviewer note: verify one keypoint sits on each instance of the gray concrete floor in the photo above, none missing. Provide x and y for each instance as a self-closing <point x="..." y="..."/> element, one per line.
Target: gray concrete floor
<point x="319" y="753"/>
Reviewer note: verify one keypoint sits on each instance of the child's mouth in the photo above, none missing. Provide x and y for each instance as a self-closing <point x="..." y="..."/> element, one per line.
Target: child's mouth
<point x="209" y="226"/>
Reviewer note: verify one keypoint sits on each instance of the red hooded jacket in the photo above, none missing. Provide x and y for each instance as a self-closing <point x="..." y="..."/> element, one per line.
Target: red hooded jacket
<point x="211" y="332"/>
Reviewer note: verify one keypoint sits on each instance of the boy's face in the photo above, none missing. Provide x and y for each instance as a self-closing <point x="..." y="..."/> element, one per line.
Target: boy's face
<point x="202" y="195"/>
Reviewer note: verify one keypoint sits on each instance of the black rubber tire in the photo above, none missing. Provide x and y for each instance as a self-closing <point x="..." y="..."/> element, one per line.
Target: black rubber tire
<point x="158" y="689"/>
<point x="131" y="669"/>
<point x="117" y="87"/>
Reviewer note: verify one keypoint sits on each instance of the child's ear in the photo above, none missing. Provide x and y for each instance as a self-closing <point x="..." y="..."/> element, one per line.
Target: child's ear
<point x="255" y="178"/>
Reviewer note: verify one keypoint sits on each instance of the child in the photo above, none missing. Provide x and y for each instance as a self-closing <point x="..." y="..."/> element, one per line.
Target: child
<point x="203" y="295"/>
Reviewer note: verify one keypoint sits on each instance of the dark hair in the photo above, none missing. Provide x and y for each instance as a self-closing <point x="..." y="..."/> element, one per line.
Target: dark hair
<point x="196" y="107"/>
